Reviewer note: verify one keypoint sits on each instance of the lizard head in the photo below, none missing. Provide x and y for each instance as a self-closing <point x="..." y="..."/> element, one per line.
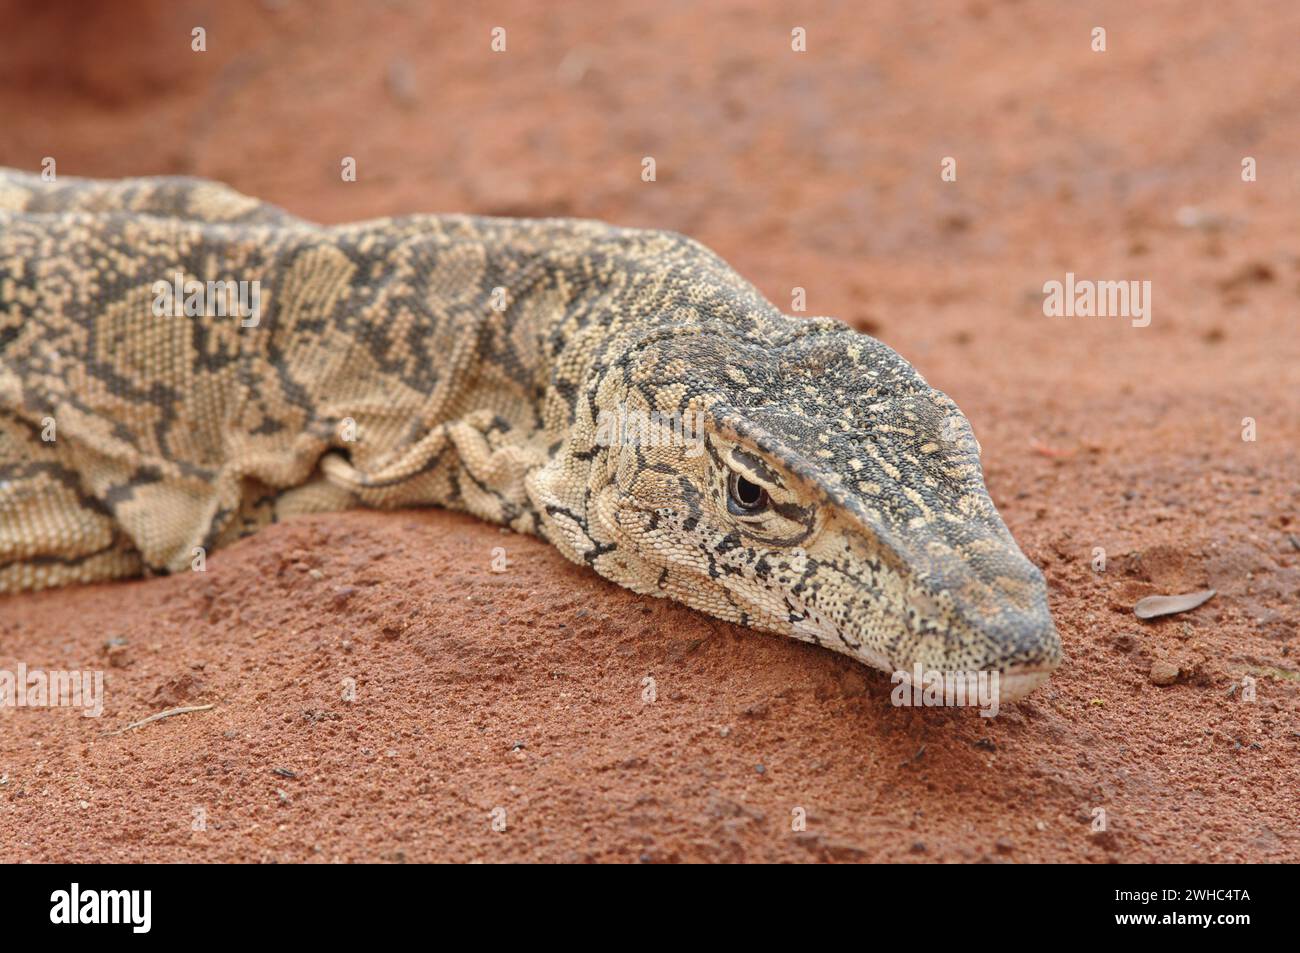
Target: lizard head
<point x="811" y="483"/>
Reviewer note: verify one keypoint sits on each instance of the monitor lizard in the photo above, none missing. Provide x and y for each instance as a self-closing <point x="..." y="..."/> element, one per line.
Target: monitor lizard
<point x="788" y="474"/>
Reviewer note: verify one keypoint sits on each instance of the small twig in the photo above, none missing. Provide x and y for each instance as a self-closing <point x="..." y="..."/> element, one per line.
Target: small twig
<point x="162" y="714"/>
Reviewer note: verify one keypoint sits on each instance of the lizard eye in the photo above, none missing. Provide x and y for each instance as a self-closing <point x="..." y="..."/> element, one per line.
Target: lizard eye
<point x="744" y="496"/>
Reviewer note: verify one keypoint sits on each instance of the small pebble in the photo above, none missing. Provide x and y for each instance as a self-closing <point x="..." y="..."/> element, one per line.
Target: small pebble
<point x="1164" y="673"/>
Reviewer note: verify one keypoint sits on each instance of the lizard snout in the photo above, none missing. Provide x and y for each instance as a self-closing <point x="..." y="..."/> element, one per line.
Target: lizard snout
<point x="983" y="618"/>
<point x="1022" y="646"/>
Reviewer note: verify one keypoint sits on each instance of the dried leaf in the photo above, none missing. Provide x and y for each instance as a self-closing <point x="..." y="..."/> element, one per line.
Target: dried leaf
<point x="1154" y="606"/>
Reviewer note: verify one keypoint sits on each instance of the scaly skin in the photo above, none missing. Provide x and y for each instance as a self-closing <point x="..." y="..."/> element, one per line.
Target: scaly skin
<point x="476" y="364"/>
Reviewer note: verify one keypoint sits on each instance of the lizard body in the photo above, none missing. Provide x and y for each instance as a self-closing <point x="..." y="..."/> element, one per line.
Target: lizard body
<point x="827" y="492"/>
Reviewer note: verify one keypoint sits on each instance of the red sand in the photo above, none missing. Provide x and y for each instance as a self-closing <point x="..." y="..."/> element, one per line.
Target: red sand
<point x="522" y="691"/>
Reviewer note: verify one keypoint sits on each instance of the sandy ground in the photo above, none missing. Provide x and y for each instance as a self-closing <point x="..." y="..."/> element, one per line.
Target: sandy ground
<point x="483" y="700"/>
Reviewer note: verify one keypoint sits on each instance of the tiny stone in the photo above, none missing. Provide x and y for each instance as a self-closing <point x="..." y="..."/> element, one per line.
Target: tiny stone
<point x="1164" y="673"/>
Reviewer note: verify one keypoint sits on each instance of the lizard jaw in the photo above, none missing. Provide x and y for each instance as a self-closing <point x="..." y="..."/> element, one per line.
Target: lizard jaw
<point x="1015" y="684"/>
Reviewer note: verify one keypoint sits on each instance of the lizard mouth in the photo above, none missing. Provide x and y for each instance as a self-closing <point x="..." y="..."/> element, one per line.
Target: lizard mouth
<point x="1016" y="683"/>
<point x="973" y="688"/>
